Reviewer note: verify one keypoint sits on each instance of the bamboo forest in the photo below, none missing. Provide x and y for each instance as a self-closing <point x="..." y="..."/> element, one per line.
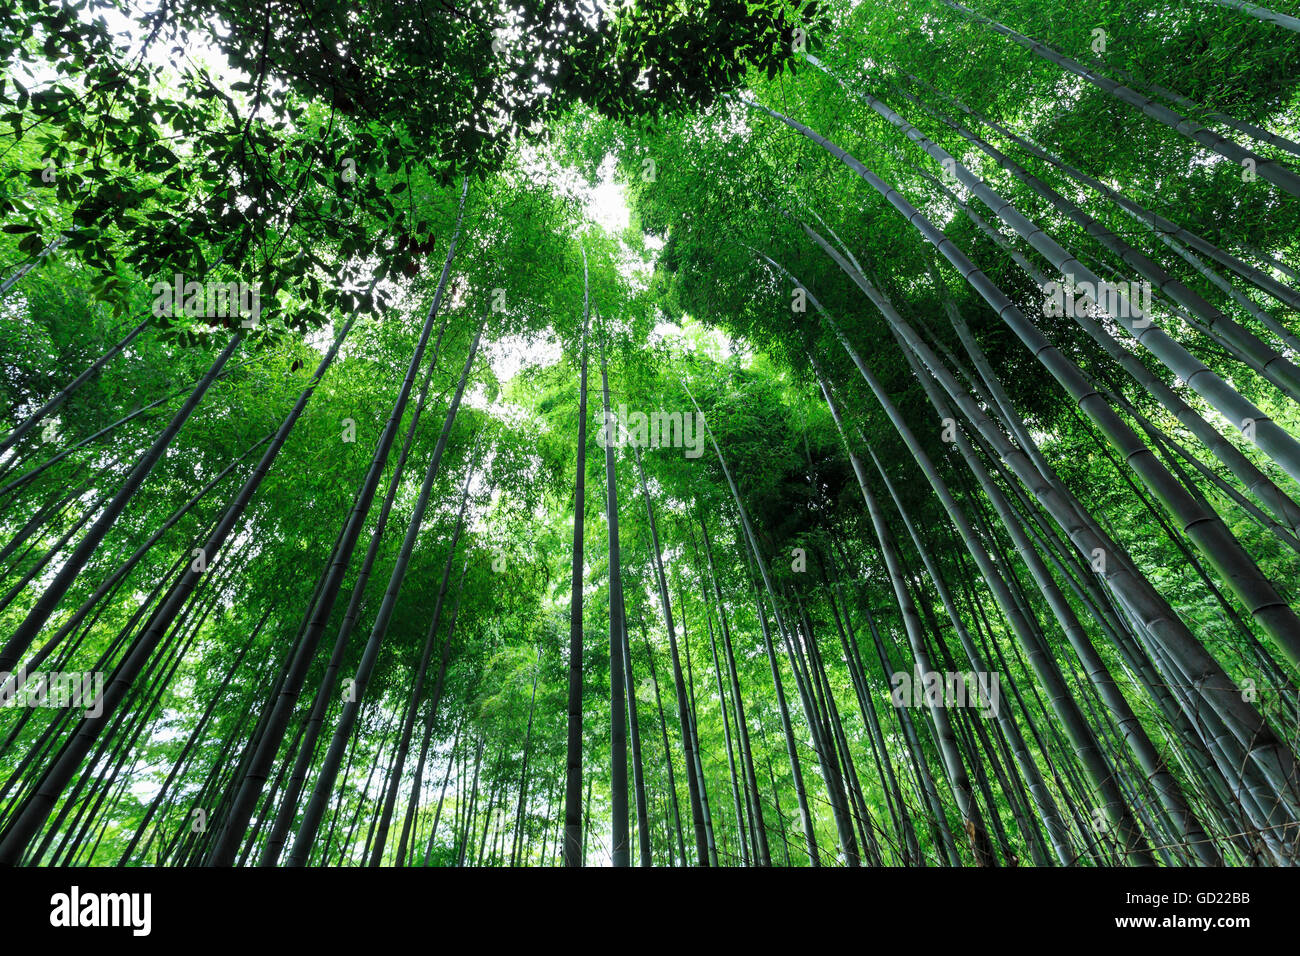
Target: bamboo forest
<point x="709" y="433"/>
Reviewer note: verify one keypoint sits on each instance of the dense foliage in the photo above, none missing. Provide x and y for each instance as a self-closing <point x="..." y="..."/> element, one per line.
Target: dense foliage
<point x="969" y="336"/>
